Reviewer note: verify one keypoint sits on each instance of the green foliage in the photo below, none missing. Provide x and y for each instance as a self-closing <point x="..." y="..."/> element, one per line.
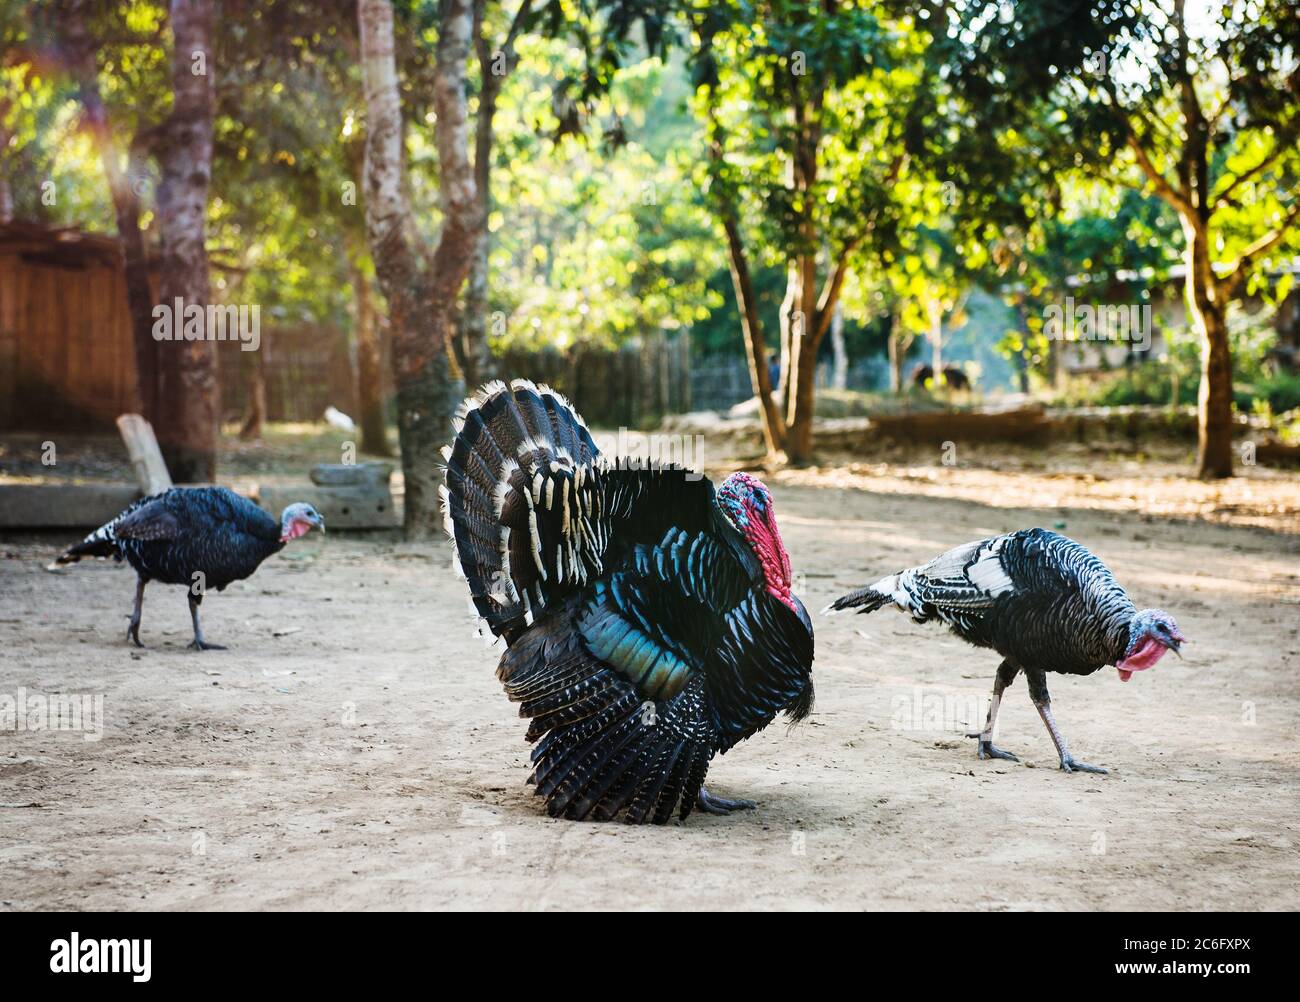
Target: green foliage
<point x="1149" y="383"/>
<point x="1050" y="102"/>
<point x="593" y="243"/>
<point x="960" y="145"/>
<point x="1176" y="372"/>
<point x="849" y="70"/>
<point x="1280" y="391"/>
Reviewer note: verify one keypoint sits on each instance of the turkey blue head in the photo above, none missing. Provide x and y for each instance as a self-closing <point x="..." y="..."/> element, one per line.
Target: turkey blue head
<point x="299" y="519"/>
<point x="746" y="503"/>
<point x="1151" y="633"/>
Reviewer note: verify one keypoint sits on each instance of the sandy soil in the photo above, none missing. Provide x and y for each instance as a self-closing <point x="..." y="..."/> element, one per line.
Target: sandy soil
<point x="366" y="757"/>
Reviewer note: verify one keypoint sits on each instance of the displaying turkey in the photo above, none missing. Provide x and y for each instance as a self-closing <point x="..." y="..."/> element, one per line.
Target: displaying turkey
<point x="1039" y="599"/>
<point x="200" y="537"/>
<point x="649" y="621"/>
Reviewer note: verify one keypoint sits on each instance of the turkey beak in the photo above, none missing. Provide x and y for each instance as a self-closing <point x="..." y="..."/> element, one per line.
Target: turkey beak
<point x="320" y="522"/>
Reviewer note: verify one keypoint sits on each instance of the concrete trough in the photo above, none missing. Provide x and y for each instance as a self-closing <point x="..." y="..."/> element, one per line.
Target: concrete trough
<point x="62" y="506"/>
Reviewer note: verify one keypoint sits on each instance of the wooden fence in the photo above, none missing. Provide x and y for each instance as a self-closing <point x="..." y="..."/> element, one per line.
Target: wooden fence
<point x="307" y="367"/>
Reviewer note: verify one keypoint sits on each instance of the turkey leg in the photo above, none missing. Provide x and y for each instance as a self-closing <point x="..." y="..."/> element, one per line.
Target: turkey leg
<point x="710" y="804"/>
<point x="133" y="629"/>
<point x="1043" y="703"/>
<point x="986" y="749"/>
<point x="198" y="643"/>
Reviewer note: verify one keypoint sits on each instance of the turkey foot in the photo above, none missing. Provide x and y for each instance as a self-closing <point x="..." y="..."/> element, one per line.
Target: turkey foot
<point x="198" y="643"/>
<point x="987" y="749"/>
<point x="1071" y="764"/>
<point x="710" y="804"/>
<point x="1068" y="762"/>
<point x="133" y="628"/>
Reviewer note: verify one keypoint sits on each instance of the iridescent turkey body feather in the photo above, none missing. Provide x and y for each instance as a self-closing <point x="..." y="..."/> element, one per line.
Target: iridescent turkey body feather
<point x="641" y="638"/>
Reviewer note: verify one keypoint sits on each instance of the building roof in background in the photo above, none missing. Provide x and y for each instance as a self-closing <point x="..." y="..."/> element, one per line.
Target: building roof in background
<point x="67" y="246"/>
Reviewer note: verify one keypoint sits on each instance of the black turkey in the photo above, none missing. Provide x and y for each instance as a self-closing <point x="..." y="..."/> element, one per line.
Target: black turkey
<point x="1039" y="599"/>
<point x="200" y="537"/>
<point x="649" y="621"/>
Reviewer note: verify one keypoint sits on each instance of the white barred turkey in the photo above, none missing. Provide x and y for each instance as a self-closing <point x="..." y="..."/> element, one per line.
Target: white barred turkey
<point x="1042" y="601"/>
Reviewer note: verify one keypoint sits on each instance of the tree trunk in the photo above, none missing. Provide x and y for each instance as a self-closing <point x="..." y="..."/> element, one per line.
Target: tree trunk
<point x="751" y="327"/>
<point x="421" y="298"/>
<point x="934" y="313"/>
<point x="799" y="435"/>
<point x="788" y="317"/>
<point x="840" y="380"/>
<point x="897" y="348"/>
<point x="370" y="389"/>
<point x="188" y="399"/>
<point x="255" y="375"/>
<point x="472" y="351"/>
<point x="474" y="355"/>
<point x="1055" y="364"/>
<point x="800" y="376"/>
<point x="1214" y="402"/>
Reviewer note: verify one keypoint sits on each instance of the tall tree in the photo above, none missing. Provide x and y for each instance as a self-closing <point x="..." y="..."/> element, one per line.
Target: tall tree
<point x="177" y="378"/>
<point x="1196" y="106"/>
<point x="421" y="291"/>
<point x="805" y="146"/>
<point x="496" y="59"/>
<point x="188" y="396"/>
<point x="370" y="401"/>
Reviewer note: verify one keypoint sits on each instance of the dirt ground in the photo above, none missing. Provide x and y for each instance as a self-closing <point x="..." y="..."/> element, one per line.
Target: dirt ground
<point x="354" y="750"/>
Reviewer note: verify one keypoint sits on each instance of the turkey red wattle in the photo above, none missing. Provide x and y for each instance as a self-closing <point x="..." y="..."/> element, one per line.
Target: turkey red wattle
<point x="299" y="519"/>
<point x="296" y="529"/>
<point x="765" y="540"/>
<point x="1148" y="652"/>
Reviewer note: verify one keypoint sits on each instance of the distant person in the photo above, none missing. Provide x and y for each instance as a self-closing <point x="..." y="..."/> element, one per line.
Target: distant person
<point x="774" y="371"/>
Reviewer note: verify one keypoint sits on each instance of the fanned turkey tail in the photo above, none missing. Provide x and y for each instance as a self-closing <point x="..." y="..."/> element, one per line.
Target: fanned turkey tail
<point x="602" y="749"/>
<point x="517" y="468"/>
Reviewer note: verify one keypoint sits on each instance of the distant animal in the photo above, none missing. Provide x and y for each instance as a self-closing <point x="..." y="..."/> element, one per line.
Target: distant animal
<point x="1043" y="602"/>
<point x="953" y="377"/>
<point x="335" y="418"/>
<point x="650" y="621"/>
<point x="200" y="537"/>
